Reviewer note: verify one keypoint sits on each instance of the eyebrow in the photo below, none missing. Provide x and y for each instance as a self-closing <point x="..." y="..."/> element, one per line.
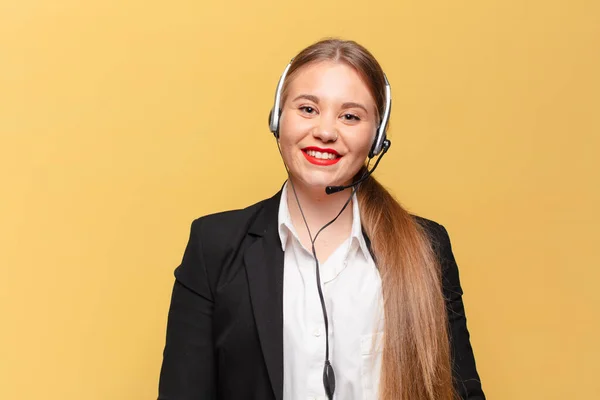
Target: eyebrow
<point x="352" y="104"/>
<point x="315" y="99"/>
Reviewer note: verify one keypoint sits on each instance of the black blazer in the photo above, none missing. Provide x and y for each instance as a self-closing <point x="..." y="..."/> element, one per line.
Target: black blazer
<point x="225" y="326"/>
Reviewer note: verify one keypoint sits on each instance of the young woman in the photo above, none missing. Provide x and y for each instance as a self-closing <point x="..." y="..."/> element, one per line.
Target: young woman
<point x="315" y="295"/>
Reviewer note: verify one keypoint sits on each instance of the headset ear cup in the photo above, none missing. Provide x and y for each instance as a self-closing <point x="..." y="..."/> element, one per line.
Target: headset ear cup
<point x="377" y="142"/>
<point x="274" y="128"/>
<point x="372" y="151"/>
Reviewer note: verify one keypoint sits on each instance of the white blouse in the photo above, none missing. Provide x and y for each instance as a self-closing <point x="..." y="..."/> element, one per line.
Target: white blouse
<point x="352" y="292"/>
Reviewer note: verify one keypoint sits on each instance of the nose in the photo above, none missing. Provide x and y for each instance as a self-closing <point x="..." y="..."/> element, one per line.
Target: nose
<point x="326" y="130"/>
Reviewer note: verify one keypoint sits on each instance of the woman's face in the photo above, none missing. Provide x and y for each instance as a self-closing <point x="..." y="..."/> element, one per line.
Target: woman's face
<point x="328" y="124"/>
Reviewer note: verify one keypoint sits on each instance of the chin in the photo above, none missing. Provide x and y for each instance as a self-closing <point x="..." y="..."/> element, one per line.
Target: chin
<point x="317" y="185"/>
<point x="315" y="181"/>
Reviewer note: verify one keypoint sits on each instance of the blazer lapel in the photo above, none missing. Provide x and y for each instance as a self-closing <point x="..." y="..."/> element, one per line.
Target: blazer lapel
<point x="264" y="268"/>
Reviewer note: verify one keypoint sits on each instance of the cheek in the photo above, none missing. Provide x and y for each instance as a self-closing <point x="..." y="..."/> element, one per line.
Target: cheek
<point x="293" y="124"/>
<point x="287" y="142"/>
<point x="291" y="130"/>
<point x="363" y="143"/>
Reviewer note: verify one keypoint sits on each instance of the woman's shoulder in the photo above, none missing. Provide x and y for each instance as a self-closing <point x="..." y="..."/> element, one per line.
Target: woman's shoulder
<point x="438" y="236"/>
<point x="215" y="237"/>
<point x="233" y="225"/>
<point x="434" y="230"/>
<point x="442" y="246"/>
<point x="228" y="220"/>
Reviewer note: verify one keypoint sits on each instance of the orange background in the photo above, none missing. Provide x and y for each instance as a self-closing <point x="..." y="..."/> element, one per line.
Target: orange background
<point x="122" y="121"/>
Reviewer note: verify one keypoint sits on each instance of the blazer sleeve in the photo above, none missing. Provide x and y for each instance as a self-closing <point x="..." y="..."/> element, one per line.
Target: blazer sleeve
<point x="188" y="367"/>
<point x="466" y="378"/>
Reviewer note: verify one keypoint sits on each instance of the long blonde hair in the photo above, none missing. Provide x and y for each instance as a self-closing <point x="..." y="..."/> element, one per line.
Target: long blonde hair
<point x="416" y="352"/>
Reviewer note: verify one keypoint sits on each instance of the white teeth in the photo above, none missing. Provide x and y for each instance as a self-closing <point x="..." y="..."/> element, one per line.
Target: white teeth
<point x="321" y="155"/>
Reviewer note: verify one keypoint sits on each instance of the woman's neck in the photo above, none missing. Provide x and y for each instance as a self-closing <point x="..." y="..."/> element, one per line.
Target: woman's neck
<point x="319" y="209"/>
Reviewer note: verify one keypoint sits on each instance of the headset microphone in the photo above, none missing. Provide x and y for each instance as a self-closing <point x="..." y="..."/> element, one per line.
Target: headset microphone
<point x="334" y="189"/>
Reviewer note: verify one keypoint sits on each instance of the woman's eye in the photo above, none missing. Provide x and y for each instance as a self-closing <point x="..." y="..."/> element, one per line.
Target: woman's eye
<point x="307" y="109"/>
<point x="351" y="117"/>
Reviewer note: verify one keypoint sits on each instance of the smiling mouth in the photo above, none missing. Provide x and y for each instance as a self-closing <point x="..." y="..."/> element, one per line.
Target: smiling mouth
<point x="321" y="155"/>
<point x="322" y="158"/>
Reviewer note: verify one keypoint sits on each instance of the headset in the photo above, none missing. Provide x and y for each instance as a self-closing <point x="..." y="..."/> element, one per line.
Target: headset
<point x="380" y="139"/>
<point x="380" y="146"/>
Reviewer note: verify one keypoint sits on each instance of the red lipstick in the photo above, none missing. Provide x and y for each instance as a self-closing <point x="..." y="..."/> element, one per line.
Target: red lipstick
<point x="321" y="161"/>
